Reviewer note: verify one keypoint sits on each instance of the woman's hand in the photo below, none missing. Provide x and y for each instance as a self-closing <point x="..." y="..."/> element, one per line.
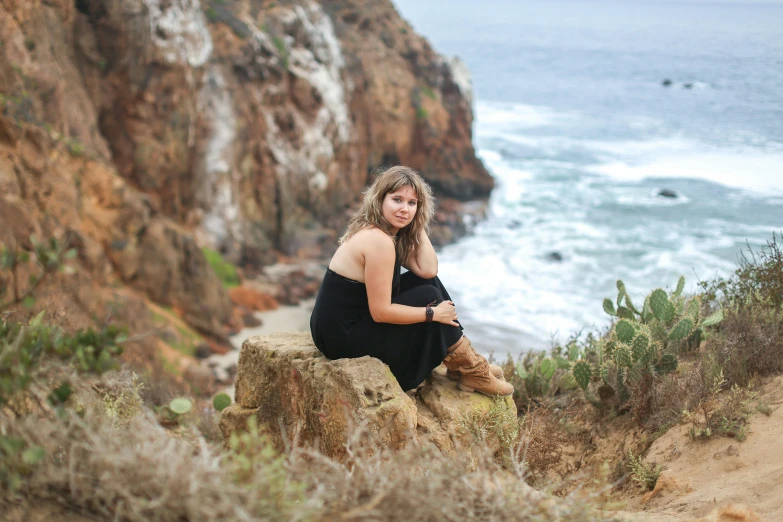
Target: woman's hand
<point x="445" y="313"/>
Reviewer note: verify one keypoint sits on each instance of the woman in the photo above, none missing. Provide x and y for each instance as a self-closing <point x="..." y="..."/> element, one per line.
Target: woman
<point x="365" y="307"/>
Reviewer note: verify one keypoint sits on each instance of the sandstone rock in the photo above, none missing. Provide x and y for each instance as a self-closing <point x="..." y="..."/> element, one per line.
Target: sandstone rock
<point x="290" y="387"/>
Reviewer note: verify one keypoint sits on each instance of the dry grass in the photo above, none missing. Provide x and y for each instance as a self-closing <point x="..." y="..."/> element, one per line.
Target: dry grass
<point x="750" y="344"/>
<point x="141" y="472"/>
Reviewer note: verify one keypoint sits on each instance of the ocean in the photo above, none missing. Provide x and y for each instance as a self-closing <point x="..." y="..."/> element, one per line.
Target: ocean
<point x="574" y="121"/>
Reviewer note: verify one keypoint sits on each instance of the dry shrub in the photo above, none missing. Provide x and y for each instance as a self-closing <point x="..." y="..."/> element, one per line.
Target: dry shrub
<point x="722" y="414"/>
<point x="750" y="343"/>
<point x="663" y="402"/>
<point x="542" y="439"/>
<point x="143" y="473"/>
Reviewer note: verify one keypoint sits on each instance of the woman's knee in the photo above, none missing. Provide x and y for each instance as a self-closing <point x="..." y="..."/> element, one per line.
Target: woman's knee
<point x="432" y="293"/>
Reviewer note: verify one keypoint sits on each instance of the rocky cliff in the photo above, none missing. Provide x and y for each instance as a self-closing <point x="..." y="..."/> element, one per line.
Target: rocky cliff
<point x="145" y="130"/>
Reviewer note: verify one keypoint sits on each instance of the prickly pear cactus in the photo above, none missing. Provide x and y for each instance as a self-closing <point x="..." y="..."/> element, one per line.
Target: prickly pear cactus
<point x="682" y="330"/>
<point x="667" y="364"/>
<point x="625" y="331"/>
<point x="582" y="373"/>
<point x="622" y="356"/>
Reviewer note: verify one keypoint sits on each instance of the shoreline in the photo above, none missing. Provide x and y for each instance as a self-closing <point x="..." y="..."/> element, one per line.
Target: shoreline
<point x="285" y="318"/>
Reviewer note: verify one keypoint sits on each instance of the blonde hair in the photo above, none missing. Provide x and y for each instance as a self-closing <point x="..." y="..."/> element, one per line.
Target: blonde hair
<point x="371" y="212"/>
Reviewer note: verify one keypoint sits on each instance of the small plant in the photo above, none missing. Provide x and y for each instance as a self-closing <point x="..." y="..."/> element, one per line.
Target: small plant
<point x="765" y="408"/>
<point x="221" y="401"/>
<point x="429" y="93"/>
<point x="421" y="113"/>
<point x="225" y="271"/>
<point x="644" y="473"/>
<point x="721" y="415"/>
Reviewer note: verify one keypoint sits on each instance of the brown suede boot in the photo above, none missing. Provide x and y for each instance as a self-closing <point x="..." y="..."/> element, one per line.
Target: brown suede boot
<point x="494" y="369"/>
<point x="474" y="372"/>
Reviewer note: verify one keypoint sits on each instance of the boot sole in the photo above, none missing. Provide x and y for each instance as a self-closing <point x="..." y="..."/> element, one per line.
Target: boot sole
<point x="469" y="389"/>
<point x="456" y="377"/>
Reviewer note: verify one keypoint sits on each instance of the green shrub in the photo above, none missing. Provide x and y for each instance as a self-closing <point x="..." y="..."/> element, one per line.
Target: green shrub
<point x="225" y="271"/>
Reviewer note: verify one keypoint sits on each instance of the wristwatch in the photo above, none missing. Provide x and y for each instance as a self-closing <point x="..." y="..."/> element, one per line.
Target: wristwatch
<point x="430" y="314"/>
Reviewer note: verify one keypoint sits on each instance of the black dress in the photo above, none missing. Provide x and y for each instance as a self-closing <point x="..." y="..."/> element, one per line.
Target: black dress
<point x="342" y="326"/>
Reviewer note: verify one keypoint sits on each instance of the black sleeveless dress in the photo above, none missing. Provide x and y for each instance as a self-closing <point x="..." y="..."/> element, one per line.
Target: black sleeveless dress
<point x="342" y="326"/>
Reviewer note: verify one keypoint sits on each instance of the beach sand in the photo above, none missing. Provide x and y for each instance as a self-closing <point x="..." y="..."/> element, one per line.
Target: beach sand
<point x="284" y="319"/>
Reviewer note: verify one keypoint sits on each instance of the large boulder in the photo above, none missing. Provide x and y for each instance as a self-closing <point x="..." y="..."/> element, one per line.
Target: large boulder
<point x="293" y="390"/>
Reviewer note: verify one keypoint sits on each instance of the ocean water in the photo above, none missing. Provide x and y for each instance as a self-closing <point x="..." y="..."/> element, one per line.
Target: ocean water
<point x="573" y="121"/>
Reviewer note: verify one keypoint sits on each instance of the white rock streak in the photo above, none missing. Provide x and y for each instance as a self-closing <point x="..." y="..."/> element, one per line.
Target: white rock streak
<point x="319" y="61"/>
<point x="222" y="215"/>
<point x="461" y="75"/>
<point x="178" y="28"/>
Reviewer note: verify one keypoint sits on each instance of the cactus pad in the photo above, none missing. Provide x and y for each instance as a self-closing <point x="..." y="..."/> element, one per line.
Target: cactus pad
<point x="659" y="303"/>
<point x="548" y="367"/>
<point x="692" y="310"/>
<point x="622" y="356"/>
<point x="639" y="347"/>
<point x="582" y="374"/>
<point x="625" y="331"/>
<point x="667" y="364"/>
<point x="609" y="307"/>
<point x="682" y="330"/>
<point x="180" y="405"/>
<point x="221" y="401"/>
<point x="714" y="319"/>
<point x="680" y="287"/>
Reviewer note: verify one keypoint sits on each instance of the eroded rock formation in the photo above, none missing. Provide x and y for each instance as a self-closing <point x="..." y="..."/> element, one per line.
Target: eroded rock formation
<point x="290" y="387"/>
<point x="148" y="129"/>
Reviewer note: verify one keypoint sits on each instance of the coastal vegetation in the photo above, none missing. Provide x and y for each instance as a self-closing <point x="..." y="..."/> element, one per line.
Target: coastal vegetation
<point x="78" y="428"/>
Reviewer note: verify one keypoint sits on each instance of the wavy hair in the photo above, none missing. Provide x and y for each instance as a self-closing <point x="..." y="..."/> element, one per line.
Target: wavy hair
<point x="371" y="212"/>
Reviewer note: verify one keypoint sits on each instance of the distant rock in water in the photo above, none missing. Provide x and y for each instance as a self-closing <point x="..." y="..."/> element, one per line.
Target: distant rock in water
<point x="688" y="85"/>
<point x="666" y="82"/>
<point x="667" y="193"/>
<point x="555" y="256"/>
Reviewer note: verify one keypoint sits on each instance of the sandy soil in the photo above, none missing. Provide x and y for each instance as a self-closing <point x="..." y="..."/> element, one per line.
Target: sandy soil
<point x="284" y="319"/>
<point x="704" y="475"/>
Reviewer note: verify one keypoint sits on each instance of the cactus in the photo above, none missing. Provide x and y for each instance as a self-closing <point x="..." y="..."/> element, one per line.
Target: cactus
<point x="221" y="401"/>
<point x="667" y="364"/>
<point x="680" y="287"/>
<point x="582" y="373"/>
<point x="639" y="348"/>
<point x="625" y="331"/>
<point x="682" y="330"/>
<point x="562" y="363"/>
<point x="180" y="406"/>
<point x="714" y="319"/>
<point x="609" y="307"/>
<point x="548" y="367"/>
<point x="622" y="356"/>
<point x="659" y="303"/>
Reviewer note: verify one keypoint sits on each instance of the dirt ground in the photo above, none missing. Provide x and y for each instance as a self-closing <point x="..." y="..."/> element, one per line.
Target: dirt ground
<point x="703" y="476"/>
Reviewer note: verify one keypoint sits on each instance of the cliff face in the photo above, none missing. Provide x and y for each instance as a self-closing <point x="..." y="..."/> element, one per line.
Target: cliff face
<point x="149" y="128"/>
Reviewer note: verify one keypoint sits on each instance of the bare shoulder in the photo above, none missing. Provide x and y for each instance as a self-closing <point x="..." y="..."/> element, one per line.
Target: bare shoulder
<point x="374" y="239"/>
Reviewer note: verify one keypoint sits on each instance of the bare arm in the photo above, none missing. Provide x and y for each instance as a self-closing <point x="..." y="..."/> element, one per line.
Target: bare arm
<point x="378" y="275"/>
<point x="423" y="261"/>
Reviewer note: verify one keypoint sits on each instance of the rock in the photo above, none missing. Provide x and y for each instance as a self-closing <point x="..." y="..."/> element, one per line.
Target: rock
<point x="666" y="82"/>
<point x="687" y="85"/>
<point x="250" y="320"/>
<point x="287" y="384"/>
<point x="252" y="299"/>
<point x="667" y="193"/>
<point x="203" y="351"/>
<point x="555" y="256"/>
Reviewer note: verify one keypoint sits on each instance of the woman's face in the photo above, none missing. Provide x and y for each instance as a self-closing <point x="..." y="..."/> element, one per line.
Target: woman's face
<point x="399" y="207"/>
